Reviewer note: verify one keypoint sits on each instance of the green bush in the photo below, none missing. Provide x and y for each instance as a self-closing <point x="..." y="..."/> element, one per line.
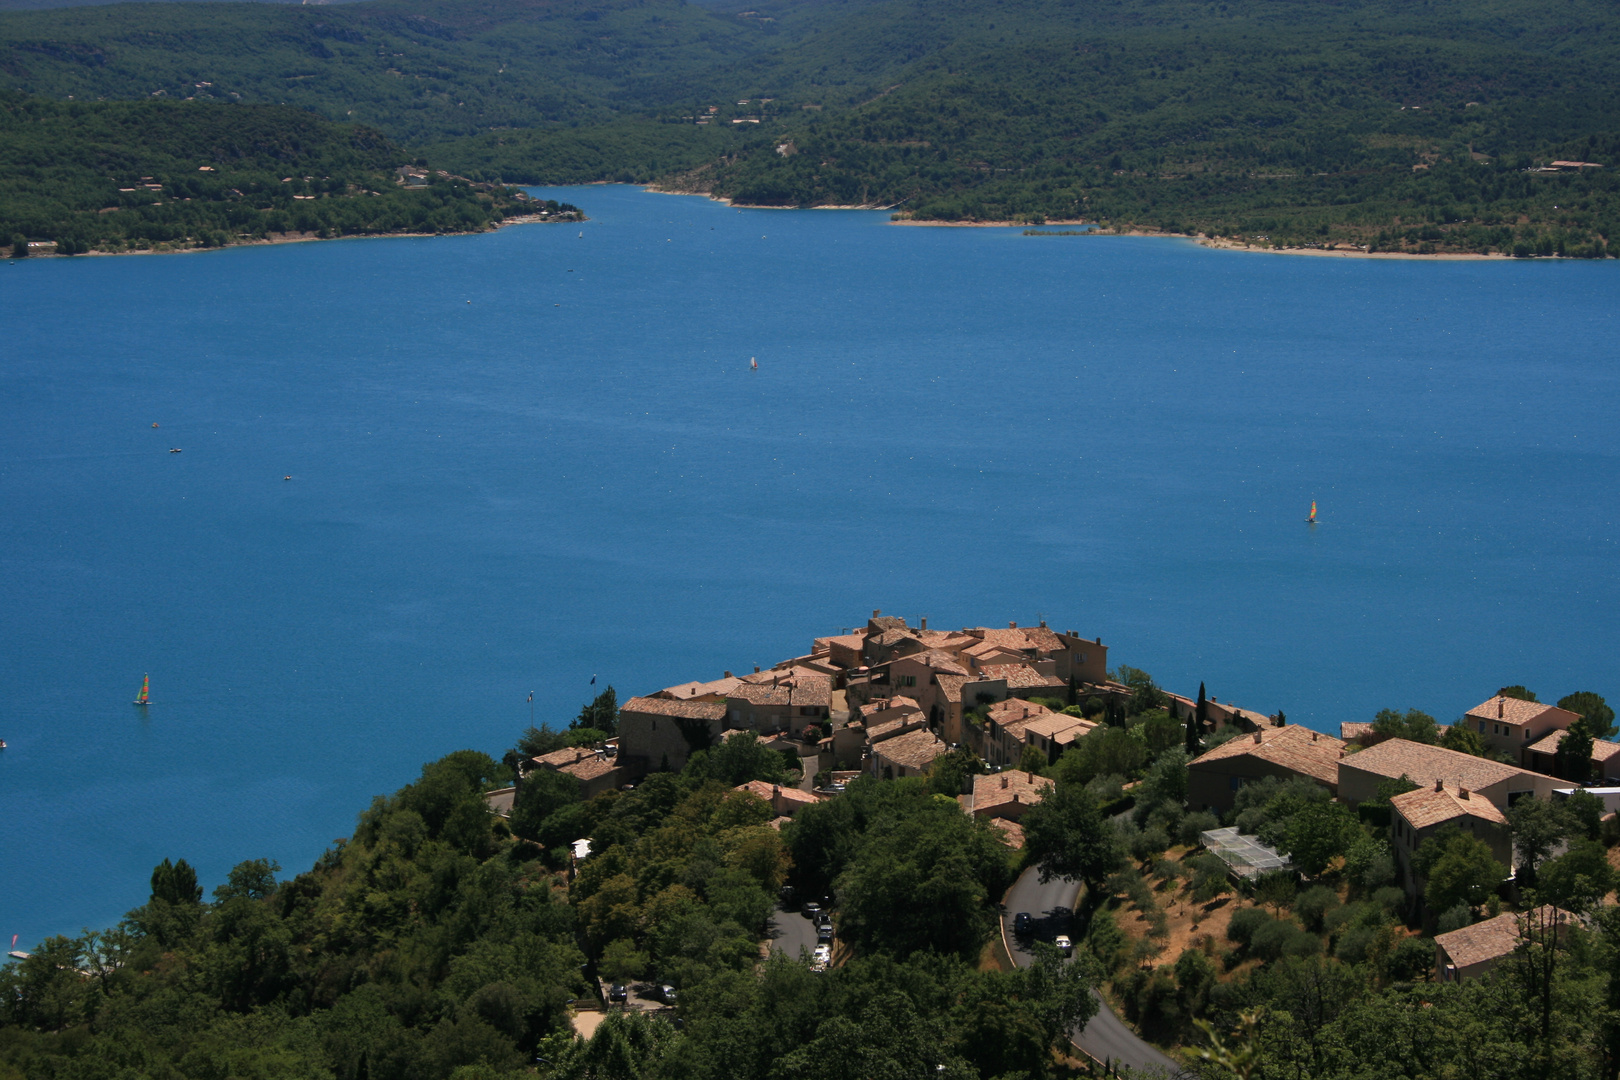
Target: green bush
<point x="1245" y="922"/>
<point x="1313" y="904"/>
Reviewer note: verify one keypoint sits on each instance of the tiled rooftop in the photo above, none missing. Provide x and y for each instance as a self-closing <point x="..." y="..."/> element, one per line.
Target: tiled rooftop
<point x="1513" y="711"/>
<point x="1602" y="750"/>
<point x="1426" y="807"/>
<point x="692" y="710"/>
<point x="1019" y="676"/>
<point x="1485" y="941"/>
<point x="1297" y="749"/>
<point x="1423" y="765"/>
<point x="914" y="749"/>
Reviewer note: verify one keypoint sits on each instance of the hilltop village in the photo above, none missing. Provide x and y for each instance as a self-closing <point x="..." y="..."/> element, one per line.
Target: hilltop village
<point x="993" y="715"/>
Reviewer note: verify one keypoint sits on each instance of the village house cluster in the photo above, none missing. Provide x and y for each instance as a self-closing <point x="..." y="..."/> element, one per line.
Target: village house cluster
<point x="888" y="700"/>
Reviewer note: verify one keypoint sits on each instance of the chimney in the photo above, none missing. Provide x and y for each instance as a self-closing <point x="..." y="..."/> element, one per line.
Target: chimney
<point x="756" y="669"/>
<point x="876" y="612"/>
<point x="1099" y="641"/>
<point x="1500" y="703"/>
<point x="1029" y="778"/>
<point x="776" y="790"/>
<point x="1012" y="626"/>
<point x="1462" y="793"/>
<point x="1439" y="785"/>
<point x="1257" y="737"/>
<point x="924" y="623"/>
<point x="1313" y="736"/>
<point x="1003" y="783"/>
<point x="728" y="674"/>
<point x="1043" y="624"/>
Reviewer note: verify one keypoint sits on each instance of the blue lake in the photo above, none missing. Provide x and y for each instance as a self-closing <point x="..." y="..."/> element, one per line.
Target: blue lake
<point x="522" y="459"/>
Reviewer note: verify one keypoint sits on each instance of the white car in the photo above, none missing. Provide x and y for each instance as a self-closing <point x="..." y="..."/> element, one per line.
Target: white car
<point x="1064" y="945"/>
<point x="821" y="958"/>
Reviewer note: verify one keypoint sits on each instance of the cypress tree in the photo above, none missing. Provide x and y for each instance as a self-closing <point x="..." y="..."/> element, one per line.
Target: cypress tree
<point x="1195" y="725"/>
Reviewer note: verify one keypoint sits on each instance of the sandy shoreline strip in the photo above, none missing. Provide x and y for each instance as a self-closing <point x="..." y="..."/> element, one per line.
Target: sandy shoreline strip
<point x="309" y="237"/>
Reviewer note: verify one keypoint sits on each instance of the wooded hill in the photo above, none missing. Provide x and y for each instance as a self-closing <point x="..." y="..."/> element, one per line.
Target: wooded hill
<point x="1373" y="123"/>
<point x="118" y="176"/>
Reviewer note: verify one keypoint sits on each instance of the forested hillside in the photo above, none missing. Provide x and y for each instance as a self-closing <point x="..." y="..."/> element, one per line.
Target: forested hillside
<point x="116" y="176"/>
<point x="1367" y="123"/>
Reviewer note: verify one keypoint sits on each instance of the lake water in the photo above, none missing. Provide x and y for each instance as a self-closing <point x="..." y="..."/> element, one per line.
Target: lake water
<point x="522" y="459"/>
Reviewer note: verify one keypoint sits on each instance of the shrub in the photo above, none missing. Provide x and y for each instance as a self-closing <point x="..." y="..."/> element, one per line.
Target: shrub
<point x="1454" y="918"/>
<point x="1313" y="905"/>
<point x="1355" y="943"/>
<point x="1106" y="940"/>
<point x="1149" y="842"/>
<point x="1192" y="825"/>
<point x="1269" y="939"/>
<point x="1390" y="898"/>
<point x="1412" y="960"/>
<point x="1245" y="922"/>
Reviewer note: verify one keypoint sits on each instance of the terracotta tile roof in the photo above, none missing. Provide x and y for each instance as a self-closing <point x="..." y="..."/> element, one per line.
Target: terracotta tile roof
<point x="1061" y="727"/>
<point x="557" y="759"/>
<point x="992" y="790"/>
<point x="686" y="691"/>
<point x="849" y="641"/>
<point x="948" y="640"/>
<point x="892" y="638"/>
<point x="756" y="694"/>
<point x="773" y="793"/>
<point x="590" y="768"/>
<point x="692" y="710"/>
<point x="950" y="686"/>
<point x="1012" y="639"/>
<point x="1005" y="712"/>
<point x="888" y="729"/>
<point x="1514" y="712"/>
<point x="883" y="705"/>
<point x="1351" y="730"/>
<point x="938" y="660"/>
<point x="881" y="623"/>
<point x="1426" y="807"/>
<point x="914" y="749"/>
<point x="1485" y="941"/>
<point x="1297" y="749"/>
<point x="1602" y="749"/>
<point x="1019" y="676"/>
<point x="1039" y="637"/>
<point x="1423" y="765"/>
<point x="986" y="649"/>
<point x="810" y="690"/>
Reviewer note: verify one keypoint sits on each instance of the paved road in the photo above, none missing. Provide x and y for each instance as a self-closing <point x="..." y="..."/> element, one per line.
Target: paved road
<point x="1051" y="906"/>
<point x="789" y="932"/>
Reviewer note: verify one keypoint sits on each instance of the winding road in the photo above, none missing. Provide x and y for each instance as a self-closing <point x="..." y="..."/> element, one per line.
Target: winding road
<point x="1051" y="908"/>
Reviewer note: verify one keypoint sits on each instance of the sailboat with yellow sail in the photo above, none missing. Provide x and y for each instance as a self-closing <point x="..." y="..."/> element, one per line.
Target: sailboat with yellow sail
<point x="143" y="698"/>
<point x="1312" y="519"/>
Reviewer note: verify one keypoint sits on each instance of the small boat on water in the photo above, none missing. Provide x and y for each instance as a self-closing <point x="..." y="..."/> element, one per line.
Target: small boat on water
<point x="753" y="364"/>
<point x="1312" y="519"/>
<point x="143" y="698"/>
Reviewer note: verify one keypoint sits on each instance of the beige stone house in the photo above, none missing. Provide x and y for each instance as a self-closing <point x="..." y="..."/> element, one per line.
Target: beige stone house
<point x="1506" y="723"/>
<point x="1417" y="815"/>
<point x="1214" y="778"/>
<point x="1003" y="742"/>
<point x="1473" y="950"/>
<point x="1006" y="795"/>
<point x="660" y="734"/>
<point x="1542" y="756"/>
<point x="1056" y="732"/>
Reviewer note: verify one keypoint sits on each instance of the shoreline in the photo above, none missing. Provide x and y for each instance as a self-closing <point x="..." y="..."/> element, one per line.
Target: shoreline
<point x="306" y="238"/>
<point x="1201" y="240"/>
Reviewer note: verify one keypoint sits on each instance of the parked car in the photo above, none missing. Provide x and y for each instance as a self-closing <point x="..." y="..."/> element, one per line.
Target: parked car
<point x="821" y="958"/>
<point x="666" y="994"/>
<point x="1022" y="923"/>
<point x="617" y="992"/>
<point x="811" y="910"/>
<point x="824" y="935"/>
<point x="1064" y="945"/>
<point x="824" y="919"/>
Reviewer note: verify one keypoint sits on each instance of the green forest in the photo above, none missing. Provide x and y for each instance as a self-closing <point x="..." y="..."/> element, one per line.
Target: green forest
<point x="160" y="176"/>
<point x="442" y="940"/>
<point x="1389" y="127"/>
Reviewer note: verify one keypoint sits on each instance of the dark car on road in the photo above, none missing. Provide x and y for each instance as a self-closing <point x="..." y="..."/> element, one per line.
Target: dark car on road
<point x="616" y="992"/>
<point x="811" y="910"/>
<point x="1022" y="923"/>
